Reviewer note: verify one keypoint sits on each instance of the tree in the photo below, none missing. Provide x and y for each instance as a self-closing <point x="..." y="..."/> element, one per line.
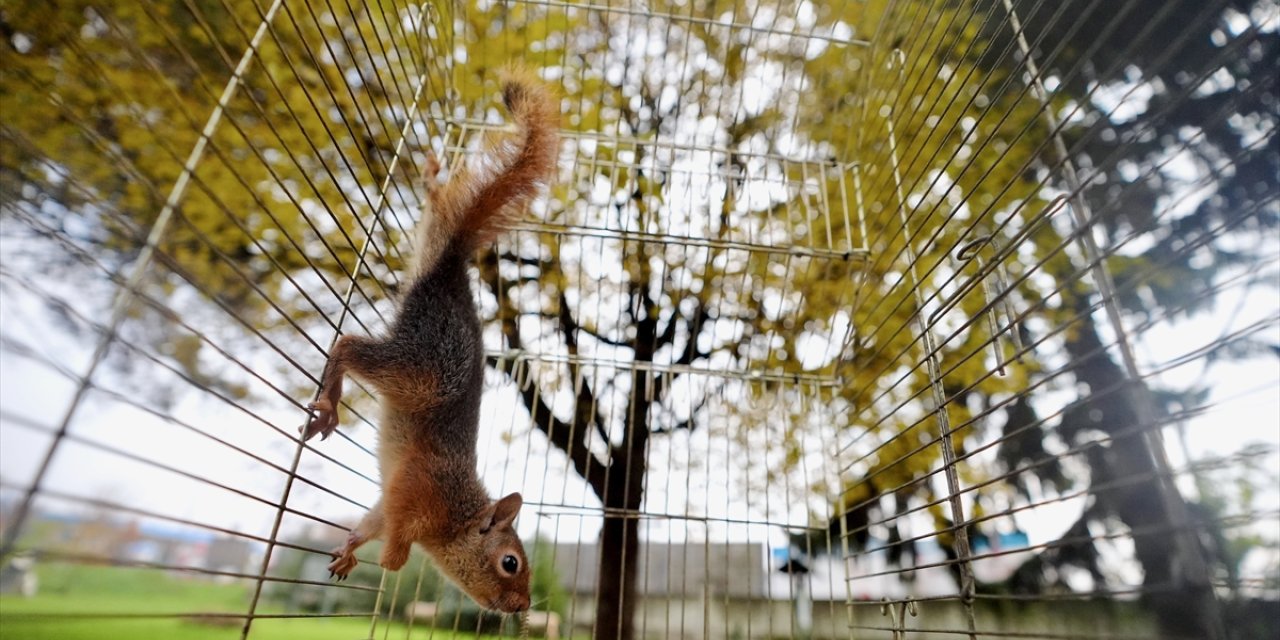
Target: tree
<point x="984" y="164"/>
<point x="658" y="260"/>
<point x="103" y="106"/>
<point x="661" y="315"/>
<point x="658" y="263"/>
<point x="134" y="85"/>
<point x="1209" y="81"/>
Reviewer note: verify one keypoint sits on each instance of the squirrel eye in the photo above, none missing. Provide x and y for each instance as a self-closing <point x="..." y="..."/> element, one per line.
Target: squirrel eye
<point x="510" y="564"/>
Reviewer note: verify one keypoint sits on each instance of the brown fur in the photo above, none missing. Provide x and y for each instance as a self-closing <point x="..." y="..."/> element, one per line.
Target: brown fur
<point x="429" y="373"/>
<point x="481" y="199"/>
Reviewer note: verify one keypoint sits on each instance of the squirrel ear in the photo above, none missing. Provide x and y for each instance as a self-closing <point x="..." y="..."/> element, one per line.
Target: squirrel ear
<point x="500" y="513"/>
<point x="506" y="510"/>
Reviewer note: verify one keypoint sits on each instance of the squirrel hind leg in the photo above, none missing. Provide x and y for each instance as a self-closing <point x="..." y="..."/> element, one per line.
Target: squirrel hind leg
<point x="324" y="411"/>
<point x="344" y="557"/>
<point x="350" y="354"/>
<point x="407" y="385"/>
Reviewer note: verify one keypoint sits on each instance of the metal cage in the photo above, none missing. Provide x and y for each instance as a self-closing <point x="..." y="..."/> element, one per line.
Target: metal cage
<point x="868" y="319"/>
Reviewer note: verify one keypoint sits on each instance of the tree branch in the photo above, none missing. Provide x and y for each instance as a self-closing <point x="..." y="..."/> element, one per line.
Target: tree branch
<point x="525" y="261"/>
<point x="571" y="328"/>
<point x="687" y="423"/>
<point x="691" y="350"/>
<point x="586" y="409"/>
<point x="569" y="438"/>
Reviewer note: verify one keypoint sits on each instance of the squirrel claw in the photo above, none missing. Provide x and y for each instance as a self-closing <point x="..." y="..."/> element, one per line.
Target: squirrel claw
<point x="430" y="168"/>
<point x="343" y="563"/>
<point x="323" y="421"/>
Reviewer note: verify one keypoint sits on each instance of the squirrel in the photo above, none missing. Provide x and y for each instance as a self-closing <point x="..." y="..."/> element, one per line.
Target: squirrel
<point x="428" y="372"/>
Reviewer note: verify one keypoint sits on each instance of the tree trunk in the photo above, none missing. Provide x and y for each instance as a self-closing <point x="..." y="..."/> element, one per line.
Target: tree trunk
<point x="616" y="596"/>
<point x="1127" y="469"/>
<point x="620" y="538"/>
<point x="624" y="492"/>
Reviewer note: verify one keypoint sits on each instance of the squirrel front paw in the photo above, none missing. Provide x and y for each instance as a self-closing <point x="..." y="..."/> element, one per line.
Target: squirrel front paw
<point x="324" y="420"/>
<point x="344" y="557"/>
<point x="344" y="561"/>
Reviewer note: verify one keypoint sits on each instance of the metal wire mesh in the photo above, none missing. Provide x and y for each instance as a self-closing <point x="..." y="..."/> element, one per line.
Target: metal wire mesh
<point x="864" y="320"/>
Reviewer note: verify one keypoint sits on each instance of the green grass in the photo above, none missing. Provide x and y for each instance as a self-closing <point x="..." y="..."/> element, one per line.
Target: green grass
<point x="81" y="592"/>
<point x="310" y="629"/>
<point x="82" y="589"/>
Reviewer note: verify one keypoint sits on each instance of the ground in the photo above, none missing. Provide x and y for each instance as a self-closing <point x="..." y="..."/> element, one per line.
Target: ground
<point x="80" y="590"/>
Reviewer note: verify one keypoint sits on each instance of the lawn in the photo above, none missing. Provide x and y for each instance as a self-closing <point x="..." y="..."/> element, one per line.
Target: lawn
<point x="311" y="629"/>
<point x="81" y="591"/>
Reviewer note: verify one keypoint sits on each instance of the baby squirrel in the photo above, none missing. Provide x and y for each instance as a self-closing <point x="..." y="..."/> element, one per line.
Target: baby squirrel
<point x="429" y="371"/>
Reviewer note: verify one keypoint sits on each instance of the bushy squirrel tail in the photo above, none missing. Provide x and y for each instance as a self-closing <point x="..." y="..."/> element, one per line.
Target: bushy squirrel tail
<point x="485" y="195"/>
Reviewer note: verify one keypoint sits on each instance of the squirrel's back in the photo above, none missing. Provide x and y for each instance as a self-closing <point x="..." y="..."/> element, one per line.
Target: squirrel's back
<point x="437" y="323"/>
